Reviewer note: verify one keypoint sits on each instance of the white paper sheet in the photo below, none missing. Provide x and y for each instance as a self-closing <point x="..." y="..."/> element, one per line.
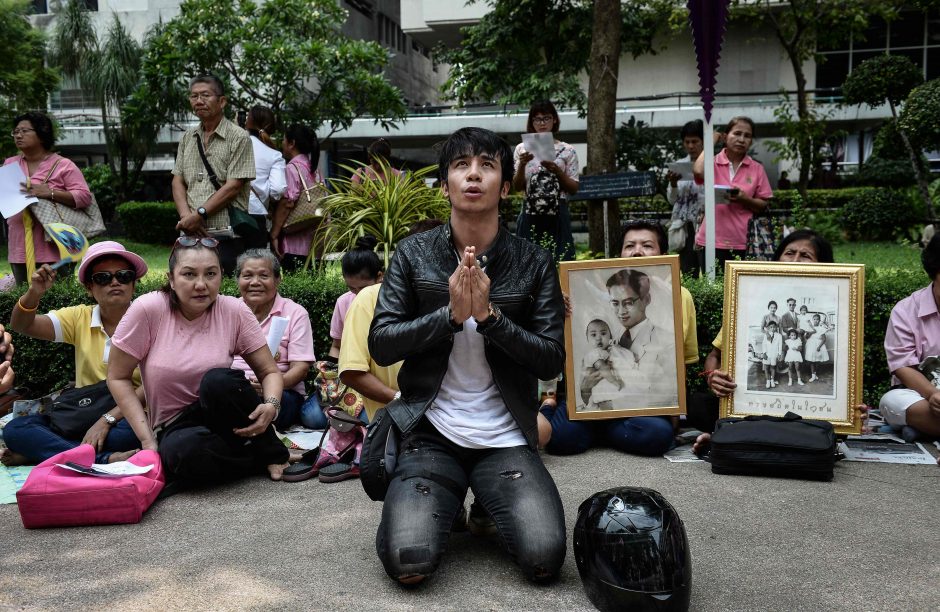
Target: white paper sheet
<point x="682" y="454"/>
<point x="108" y="470"/>
<point x="276" y="332"/>
<point x="683" y="169"/>
<point x="12" y="200"/>
<point x="305" y="439"/>
<point x="541" y="145"/>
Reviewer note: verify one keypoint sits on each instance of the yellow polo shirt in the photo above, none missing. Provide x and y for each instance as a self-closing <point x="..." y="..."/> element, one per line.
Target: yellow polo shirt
<point x="354" y="348"/>
<point x="81" y="327"/>
<point x="689" y="327"/>
<point x="719" y="341"/>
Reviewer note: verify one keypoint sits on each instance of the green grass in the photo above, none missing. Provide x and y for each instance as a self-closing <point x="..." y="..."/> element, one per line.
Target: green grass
<point x="881" y="255"/>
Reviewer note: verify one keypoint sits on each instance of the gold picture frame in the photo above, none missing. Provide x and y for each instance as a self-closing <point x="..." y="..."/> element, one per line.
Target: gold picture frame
<point x="610" y="373"/>
<point x="814" y="368"/>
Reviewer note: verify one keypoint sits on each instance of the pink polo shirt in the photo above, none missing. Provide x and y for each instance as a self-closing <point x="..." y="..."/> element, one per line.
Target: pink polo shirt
<point x="175" y="353"/>
<point x="343" y="303"/>
<point x="731" y="219"/>
<point x="913" y="332"/>
<point x="66" y="177"/>
<point x="296" y="343"/>
<point x="298" y="243"/>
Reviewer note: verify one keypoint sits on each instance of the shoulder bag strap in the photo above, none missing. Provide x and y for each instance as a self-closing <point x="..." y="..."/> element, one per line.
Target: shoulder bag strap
<point x="52" y="169"/>
<point x="303" y="183"/>
<point x="205" y="162"/>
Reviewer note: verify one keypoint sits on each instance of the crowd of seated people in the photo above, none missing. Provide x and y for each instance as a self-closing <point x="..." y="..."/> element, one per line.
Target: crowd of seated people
<point x="193" y="377"/>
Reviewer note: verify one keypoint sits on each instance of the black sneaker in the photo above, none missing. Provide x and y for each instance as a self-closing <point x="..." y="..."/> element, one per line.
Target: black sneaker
<point x="480" y="523"/>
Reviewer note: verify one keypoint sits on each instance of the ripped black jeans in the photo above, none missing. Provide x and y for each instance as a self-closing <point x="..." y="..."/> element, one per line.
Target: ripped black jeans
<point x="426" y="495"/>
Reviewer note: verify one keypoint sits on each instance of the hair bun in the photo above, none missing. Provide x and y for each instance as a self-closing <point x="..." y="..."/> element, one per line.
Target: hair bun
<point x="366" y="243"/>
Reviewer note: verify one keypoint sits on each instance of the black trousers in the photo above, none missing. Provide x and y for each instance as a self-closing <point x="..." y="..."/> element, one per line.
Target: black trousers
<point x="721" y="256"/>
<point x="229" y="250"/>
<point x="199" y="448"/>
<point x="258" y="240"/>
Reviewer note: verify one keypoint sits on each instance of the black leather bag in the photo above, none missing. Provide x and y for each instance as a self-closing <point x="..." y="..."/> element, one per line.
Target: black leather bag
<point x="787" y="446"/>
<point x="379" y="455"/>
<point x="75" y="410"/>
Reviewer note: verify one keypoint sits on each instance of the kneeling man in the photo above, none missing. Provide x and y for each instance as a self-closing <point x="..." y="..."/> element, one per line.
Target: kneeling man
<point x="477" y="316"/>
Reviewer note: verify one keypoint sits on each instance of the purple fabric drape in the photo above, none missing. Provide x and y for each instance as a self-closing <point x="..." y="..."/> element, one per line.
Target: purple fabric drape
<point x="708" y="19"/>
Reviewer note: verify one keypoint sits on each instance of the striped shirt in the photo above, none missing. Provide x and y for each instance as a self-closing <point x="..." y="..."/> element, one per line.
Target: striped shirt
<point x="229" y="153"/>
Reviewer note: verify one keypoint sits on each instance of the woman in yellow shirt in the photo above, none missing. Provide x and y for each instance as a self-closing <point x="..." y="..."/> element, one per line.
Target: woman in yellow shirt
<point x="110" y="273"/>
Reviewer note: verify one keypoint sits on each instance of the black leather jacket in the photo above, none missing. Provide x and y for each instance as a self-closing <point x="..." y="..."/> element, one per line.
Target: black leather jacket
<point x="412" y="323"/>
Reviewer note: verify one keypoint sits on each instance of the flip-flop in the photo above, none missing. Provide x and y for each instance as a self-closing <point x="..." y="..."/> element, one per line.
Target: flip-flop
<point x="339" y="471"/>
<point x="306" y="468"/>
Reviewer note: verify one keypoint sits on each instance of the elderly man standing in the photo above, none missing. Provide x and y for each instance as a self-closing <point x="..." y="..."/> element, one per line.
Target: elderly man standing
<point x="214" y="167"/>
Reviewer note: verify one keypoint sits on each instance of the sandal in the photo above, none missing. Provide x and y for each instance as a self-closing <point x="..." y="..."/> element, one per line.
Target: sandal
<point x="307" y="467"/>
<point x="339" y="471"/>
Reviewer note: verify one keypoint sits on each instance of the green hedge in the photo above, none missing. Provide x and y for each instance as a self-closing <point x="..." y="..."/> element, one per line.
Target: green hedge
<point x="44" y="366"/>
<point x="820" y="198"/>
<point x="149" y="222"/>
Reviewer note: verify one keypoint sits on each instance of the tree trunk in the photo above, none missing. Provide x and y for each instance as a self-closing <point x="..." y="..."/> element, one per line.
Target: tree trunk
<point x="804" y="146"/>
<point x="603" y="68"/>
<point x="922" y="184"/>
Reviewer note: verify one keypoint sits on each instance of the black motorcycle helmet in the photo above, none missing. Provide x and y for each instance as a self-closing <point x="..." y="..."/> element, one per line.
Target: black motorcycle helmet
<point x="632" y="552"/>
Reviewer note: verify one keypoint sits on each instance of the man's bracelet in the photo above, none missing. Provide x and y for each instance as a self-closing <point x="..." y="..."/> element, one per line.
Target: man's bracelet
<point x="274" y="402"/>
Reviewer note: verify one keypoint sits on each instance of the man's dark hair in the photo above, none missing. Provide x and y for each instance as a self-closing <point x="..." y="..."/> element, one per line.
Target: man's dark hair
<point x="209" y="79"/>
<point x="362" y="260"/>
<point x="472" y="141"/>
<point x="425" y="225"/>
<point x="641" y="224"/>
<point x="820" y="245"/>
<point x="693" y="128"/>
<point x="543" y="107"/>
<point x="43" y="126"/>
<point x="305" y="139"/>
<point x="791" y="300"/>
<point x="930" y="257"/>
<point x="638" y="281"/>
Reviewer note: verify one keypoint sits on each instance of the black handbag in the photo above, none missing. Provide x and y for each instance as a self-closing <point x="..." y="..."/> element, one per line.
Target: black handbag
<point x="379" y="455"/>
<point x="787" y="446"/>
<point x="73" y="413"/>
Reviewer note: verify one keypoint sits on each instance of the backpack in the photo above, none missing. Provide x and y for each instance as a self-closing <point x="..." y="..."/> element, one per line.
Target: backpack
<point x="542" y="194"/>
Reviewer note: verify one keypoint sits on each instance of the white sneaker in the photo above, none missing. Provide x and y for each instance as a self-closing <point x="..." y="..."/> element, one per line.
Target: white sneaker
<point x="768" y="384"/>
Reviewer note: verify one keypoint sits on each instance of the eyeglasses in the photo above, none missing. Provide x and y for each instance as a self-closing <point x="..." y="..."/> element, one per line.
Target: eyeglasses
<point x="201" y="96"/>
<point x="19" y="131"/>
<point x="543" y="119"/>
<point x="125" y="277"/>
<point x="188" y="242"/>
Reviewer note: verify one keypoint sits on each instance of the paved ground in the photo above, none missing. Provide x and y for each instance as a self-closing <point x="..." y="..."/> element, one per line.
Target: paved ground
<point x="869" y="540"/>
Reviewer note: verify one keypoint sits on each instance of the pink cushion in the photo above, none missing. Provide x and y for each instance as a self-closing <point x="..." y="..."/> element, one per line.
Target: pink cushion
<point x="57" y="497"/>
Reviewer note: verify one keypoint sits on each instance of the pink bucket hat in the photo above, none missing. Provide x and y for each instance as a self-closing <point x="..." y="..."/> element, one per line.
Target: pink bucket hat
<point x="106" y="249"/>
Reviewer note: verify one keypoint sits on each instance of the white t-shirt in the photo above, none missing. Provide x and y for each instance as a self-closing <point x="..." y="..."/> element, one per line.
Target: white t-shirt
<point x="270" y="181"/>
<point x="469" y="410"/>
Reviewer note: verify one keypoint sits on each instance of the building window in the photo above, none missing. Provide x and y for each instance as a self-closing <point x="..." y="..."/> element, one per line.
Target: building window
<point x="915" y="35"/>
<point x="391" y="34"/>
<point x="40" y="7"/>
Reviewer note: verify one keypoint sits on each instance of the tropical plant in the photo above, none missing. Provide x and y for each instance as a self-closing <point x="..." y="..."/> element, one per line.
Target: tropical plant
<point x="642" y="148"/>
<point x="25" y="80"/>
<point x="385" y="209"/>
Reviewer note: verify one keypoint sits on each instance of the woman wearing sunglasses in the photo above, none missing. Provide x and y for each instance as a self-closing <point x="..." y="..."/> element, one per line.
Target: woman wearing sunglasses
<point x="109" y="273"/>
<point x="204" y="417"/>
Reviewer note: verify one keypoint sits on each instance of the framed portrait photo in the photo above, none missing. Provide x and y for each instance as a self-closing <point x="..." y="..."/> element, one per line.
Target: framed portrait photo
<point x="793" y="340"/>
<point x="624" y="338"/>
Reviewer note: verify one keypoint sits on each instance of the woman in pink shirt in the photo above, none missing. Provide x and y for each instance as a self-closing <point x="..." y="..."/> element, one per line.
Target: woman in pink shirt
<point x="302" y="148"/>
<point x="204" y="417"/>
<point x="379" y="153"/>
<point x="735" y="168"/>
<point x="49" y="177"/>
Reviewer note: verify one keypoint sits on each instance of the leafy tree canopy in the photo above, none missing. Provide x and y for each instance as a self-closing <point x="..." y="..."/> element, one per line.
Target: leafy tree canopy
<point x="886" y="78"/>
<point x="921" y="115"/>
<point x="289" y="55"/>
<point x="525" y="50"/>
<point x="25" y="80"/>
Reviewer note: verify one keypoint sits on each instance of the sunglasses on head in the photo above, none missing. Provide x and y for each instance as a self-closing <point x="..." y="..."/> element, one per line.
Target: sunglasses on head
<point x="191" y="241"/>
<point x="125" y="277"/>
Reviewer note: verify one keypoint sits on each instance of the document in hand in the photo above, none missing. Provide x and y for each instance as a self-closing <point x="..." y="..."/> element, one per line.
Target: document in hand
<point x="683" y="169"/>
<point x="541" y="145"/>
<point x="12" y="200"/>
<point x="723" y="193"/>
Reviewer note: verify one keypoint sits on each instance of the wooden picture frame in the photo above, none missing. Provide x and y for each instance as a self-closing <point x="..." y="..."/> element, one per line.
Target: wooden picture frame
<point x="610" y="373"/>
<point x="815" y="368"/>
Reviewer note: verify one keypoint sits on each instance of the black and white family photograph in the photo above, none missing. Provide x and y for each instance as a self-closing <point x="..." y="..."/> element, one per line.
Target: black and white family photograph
<point x="792" y="340"/>
<point x="622" y="338"/>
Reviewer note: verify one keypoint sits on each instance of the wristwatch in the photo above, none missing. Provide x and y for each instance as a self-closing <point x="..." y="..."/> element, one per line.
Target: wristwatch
<point x="109" y="418"/>
<point x="274" y="402"/>
<point x="203" y="213"/>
